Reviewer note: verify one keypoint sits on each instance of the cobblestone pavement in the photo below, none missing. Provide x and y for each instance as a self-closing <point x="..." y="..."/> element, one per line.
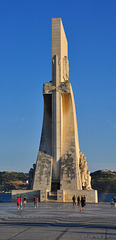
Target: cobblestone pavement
<point x="56" y="221"/>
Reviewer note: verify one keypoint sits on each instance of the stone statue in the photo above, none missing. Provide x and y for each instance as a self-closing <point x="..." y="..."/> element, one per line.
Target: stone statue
<point x="85" y="174"/>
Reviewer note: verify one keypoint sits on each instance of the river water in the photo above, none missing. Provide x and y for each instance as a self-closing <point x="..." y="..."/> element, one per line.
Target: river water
<point x="5" y="197"/>
<point x="105" y="197"/>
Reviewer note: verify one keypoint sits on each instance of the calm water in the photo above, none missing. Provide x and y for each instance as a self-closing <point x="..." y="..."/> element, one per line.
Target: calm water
<point x="104" y="197"/>
<point x="6" y="197"/>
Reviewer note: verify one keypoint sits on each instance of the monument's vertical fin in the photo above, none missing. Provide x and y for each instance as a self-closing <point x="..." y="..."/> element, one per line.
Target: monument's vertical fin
<point x="56" y="119"/>
<point x="59" y="52"/>
<point x="64" y="125"/>
<point x="59" y="45"/>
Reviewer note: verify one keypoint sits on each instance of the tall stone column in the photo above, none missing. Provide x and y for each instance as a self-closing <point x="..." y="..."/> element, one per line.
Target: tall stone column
<point x="56" y="119"/>
<point x="59" y="51"/>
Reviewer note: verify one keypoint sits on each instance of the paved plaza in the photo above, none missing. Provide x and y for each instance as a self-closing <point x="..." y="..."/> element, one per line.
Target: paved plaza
<point x="57" y="221"/>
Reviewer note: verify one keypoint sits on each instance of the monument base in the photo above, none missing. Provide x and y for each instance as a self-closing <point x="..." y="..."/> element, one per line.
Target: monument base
<point x="66" y="196"/>
<point x="62" y="195"/>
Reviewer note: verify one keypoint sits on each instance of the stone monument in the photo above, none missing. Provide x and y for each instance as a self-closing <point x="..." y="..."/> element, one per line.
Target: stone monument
<point x="60" y="165"/>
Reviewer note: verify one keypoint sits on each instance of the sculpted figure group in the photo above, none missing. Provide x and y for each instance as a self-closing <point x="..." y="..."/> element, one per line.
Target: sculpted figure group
<point x="85" y="174"/>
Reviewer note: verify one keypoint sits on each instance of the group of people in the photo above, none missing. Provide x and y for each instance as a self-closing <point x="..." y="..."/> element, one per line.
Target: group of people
<point x="78" y="201"/>
<point x="21" y="202"/>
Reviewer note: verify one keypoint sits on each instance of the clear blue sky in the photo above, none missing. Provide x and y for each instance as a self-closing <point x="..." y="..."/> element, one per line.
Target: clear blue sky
<point x="25" y="64"/>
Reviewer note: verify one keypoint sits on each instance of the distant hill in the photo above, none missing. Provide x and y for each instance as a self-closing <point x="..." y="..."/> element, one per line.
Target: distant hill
<point x="104" y="181"/>
<point x="13" y="180"/>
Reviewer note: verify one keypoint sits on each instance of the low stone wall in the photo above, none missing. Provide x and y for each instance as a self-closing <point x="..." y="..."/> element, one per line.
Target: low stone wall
<point x="28" y="193"/>
<point x="91" y="195"/>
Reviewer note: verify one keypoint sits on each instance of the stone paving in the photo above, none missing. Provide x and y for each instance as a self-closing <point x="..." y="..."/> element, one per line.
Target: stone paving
<point x="56" y="221"/>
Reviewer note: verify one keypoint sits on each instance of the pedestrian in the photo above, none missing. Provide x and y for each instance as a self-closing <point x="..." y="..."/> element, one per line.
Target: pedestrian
<point x="21" y="202"/>
<point x="115" y="201"/>
<point x="24" y="201"/>
<point x="112" y="202"/>
<point x="35" y="201"/>
<point x="78" y="200"/>
<point x="18" y="202"/>
<point x="84" y="200"/>
<point x="82" y="204"/>
<point x="74" y="200"/>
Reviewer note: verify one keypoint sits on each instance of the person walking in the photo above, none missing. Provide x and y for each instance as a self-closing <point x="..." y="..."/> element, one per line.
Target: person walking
<point x="115" y="201"/>
<point x="35" y="201"/>
<point x="82" y="204"/>
<point x="78" y="201"/>
<point x="21" y="202"/>
<point x="24" y="201"/>
<point x="112" y="202"/>
<point x="84" y="200"/>
<point x="18" y="202"/>
<point x="74" y="200"/>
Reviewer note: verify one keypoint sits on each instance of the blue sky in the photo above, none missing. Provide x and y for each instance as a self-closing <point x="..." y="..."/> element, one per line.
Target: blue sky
<point x="25" y="64"/>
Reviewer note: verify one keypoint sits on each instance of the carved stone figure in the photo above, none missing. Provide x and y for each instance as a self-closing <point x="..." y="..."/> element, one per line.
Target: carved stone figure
<point x="85" y="174"/>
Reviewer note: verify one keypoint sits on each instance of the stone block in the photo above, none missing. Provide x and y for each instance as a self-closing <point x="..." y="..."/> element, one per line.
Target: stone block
<point x="43" y="196"/>
<point x="28" y="193"/>
<point x="61" y="196"/>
